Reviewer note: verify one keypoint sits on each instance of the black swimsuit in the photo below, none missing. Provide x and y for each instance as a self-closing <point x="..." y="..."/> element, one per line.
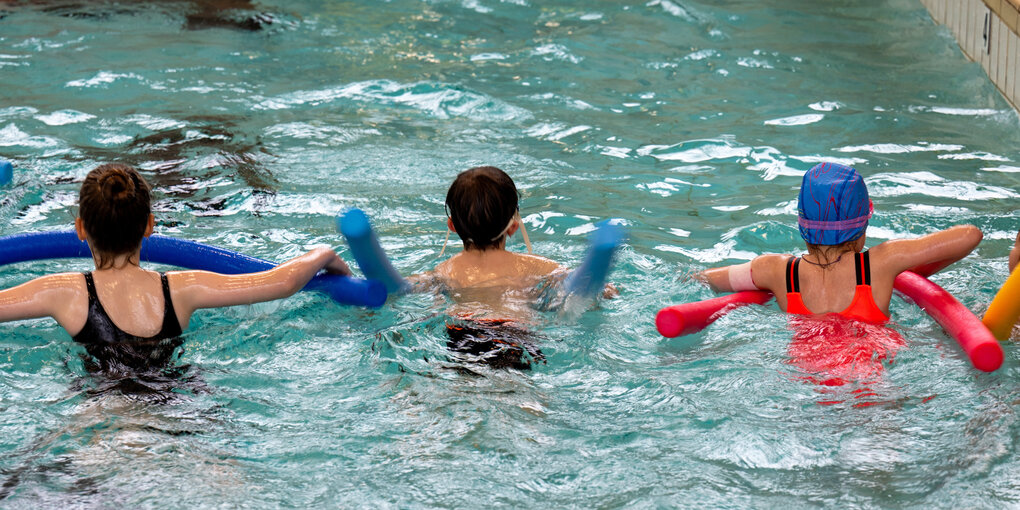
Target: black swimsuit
<point x="116" y="350"/>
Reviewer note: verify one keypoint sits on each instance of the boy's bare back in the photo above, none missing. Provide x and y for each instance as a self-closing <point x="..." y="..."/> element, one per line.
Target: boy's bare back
<point x="494" y="283"/>
<point x="494" y="268"/>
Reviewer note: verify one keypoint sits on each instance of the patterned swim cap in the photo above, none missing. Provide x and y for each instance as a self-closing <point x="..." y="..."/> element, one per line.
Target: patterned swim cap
<point x="833" y="205"/>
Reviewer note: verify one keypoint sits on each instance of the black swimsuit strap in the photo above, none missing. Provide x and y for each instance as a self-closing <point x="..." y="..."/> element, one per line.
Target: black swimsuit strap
<point x="170" y="323"/>
<point x="862" y="268"/>
<point x="90" y="285"/>
<point x="793" y="275"/>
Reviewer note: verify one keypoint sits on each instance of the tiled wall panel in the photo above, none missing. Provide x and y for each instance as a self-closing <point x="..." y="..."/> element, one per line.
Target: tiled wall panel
<point x="1001" y="49"/>
<point x="1009" y="70"/>
<point x="1016" y="75"/>
<point x="987" y="31"/>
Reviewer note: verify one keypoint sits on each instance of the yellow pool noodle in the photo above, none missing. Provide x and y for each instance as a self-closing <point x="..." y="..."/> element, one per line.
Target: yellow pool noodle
<point x="1005" y="308"/>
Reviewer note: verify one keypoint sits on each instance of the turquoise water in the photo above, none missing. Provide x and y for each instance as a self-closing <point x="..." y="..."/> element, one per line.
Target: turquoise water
<point x="691" y="120"/>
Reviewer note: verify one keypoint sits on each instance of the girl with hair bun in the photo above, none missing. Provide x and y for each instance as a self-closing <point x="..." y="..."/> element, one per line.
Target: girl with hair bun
<point x="127" y="317"/>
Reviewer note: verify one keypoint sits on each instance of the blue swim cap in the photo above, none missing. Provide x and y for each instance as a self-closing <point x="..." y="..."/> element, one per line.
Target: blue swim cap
<point x="833" y="205"/>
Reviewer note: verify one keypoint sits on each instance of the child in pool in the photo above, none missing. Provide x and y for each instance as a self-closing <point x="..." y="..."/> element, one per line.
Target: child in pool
<point x="129" y="318"/>
<point x="492" y="287"/>
<point x="1014" y="254"/>
<point x="837" y="274"/>
<point x="1014" y="259"/>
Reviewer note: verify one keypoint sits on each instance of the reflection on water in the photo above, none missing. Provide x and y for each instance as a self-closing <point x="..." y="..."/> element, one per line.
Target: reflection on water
<point x="113" y="426"/>
<point x="833" y="351"/>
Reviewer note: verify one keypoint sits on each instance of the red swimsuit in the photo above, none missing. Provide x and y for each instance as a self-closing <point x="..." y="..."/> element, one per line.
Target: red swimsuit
<point x="862" y="308"/>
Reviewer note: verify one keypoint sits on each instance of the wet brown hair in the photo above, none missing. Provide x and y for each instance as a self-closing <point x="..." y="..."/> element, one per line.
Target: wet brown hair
<point x="831" y="252"/>
<point x="114" y="206"/>
<point x="481" y="201"/>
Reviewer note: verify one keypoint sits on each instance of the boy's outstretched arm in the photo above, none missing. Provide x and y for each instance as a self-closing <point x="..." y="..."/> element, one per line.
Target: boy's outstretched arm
<point x="1014" y="254"/>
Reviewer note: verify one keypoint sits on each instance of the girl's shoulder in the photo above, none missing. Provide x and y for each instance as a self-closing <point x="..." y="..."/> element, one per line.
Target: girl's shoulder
<point x="769" y="271"/>
<point x="62" y="281"/>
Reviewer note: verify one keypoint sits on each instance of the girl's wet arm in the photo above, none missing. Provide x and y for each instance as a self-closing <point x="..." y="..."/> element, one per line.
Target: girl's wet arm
<point x="202" y="289"/>
<point x="931" y="253"/>
<point x="48" y="296"/>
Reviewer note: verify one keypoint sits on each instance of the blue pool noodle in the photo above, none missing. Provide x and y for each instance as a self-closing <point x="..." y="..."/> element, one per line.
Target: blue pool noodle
<point x="6" y="172"/>
<point x="188" y="254"/>
<point x="590" y="277"/>
<point x="368" y="253"/>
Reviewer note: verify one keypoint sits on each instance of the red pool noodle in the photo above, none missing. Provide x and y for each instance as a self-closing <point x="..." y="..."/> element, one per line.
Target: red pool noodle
<point x="688" y="318"/>
<point x="977" y="341"/>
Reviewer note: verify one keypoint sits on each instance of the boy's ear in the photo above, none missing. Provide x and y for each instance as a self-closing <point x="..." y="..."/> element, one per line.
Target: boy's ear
<point x="513" y="228"/>
<point x="449" y="225"/>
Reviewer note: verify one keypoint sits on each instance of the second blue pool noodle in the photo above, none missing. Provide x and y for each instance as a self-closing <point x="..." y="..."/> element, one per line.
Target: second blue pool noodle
<point x="590" y="277"/>
<point x="367" y="252"/>
<point x="187" y="254"/>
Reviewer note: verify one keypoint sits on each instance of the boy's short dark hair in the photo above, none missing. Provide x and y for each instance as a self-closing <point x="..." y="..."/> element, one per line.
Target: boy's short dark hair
<point x="481" y="202"/>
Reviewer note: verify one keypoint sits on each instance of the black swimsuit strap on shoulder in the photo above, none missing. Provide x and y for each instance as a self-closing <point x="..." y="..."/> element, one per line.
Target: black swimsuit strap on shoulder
<point x="90" y="285"/>
<point x="171" y="326"/>
<point x="862" y="267"/>
<point x="793" y="275"/>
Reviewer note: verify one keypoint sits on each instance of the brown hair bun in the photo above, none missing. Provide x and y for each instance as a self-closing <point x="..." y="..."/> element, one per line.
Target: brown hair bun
<point x="116" y="184"/>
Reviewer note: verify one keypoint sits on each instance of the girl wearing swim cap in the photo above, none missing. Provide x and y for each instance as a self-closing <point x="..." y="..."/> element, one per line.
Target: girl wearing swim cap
<point x="837" y="275"/>
<point x="127" y="317"/>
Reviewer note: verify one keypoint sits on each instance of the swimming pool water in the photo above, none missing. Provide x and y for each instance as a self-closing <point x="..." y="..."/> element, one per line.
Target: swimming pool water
<point x="691" y="120"/>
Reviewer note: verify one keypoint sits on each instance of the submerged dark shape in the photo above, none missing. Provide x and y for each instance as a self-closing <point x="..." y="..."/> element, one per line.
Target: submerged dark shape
<point x="211" y="140"/>
<point x="198" y="14"/>
<point x="496" y="343"/>
<point x="252" y="22"/>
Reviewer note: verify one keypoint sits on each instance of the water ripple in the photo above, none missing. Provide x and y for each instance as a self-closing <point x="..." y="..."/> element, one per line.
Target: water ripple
<point x="435" y="99"/>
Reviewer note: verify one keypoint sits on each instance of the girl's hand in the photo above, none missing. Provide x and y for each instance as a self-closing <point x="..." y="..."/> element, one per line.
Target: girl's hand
<point x="336" y="265"/>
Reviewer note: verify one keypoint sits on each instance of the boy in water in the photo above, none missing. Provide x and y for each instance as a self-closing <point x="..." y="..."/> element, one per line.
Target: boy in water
<point x="1014" y="254"/>
<point x="492" y="287"/>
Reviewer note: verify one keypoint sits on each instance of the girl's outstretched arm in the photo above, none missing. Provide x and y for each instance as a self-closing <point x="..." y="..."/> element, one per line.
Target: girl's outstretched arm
<point x="928" y="254"/>
<point x="46" y="296"/>
<point x="718" y="278"/>
<point x="202" y="289"/>
<point x="757" y="274"/>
